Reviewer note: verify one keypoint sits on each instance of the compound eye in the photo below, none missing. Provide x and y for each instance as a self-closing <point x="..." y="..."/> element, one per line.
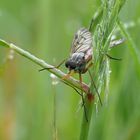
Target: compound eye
<point x="67" y="64"/>
<point x="72" y="67"/>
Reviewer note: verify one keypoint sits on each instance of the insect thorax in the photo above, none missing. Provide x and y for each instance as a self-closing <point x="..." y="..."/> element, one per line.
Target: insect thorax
<point x="81" y="51"/>
<point x="76" y="62"/>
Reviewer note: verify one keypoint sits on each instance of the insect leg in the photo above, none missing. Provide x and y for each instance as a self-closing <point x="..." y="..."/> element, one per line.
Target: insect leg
<point x="115" y="43"/>
<point x="83" y="101"/>
<point x="54" y="66"/>
<point x="95" y="87"/>
<point x="88" y="66"/>
<point x="82" y="96"/>
<point x="113" y="58"/>
<point x="73" y="88"/>
<point x="70" y="73"/>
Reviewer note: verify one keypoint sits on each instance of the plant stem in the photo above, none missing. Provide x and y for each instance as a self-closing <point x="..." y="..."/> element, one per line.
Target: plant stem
<point x="102" y="37"/>
<point x="71" y="81"/>
<point x="85" y="125"/>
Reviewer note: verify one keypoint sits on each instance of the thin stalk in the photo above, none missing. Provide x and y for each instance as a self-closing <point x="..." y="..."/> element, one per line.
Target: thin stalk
<point x="102" y="37"/>
<point x="71" y="81"/>
<point x="54" y="113"/>
<point x="86" y="125"/>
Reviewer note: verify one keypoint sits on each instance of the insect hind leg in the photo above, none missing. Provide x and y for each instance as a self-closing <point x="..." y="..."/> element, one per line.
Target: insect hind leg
<point x="82" y="97"/>
<point x="95" y="87"/>
<point x="113" y="58"/>
<point x="115" y="43"/>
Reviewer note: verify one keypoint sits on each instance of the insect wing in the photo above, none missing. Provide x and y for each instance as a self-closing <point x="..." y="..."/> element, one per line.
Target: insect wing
<point x="82" y="41"/>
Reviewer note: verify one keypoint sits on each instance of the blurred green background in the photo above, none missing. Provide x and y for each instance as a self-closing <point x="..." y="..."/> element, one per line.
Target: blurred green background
<point x="46" y="28"/>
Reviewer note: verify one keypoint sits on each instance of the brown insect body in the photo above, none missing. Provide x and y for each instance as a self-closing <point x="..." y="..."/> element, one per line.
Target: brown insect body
<point x="81" y="52"/>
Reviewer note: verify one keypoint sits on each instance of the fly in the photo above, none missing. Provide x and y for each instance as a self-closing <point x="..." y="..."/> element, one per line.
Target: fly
<point x="81" y="52"/>
<point x="80" y="59"/>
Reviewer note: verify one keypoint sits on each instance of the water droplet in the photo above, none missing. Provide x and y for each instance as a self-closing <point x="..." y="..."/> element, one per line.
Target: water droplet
<point x="55" y="80"/>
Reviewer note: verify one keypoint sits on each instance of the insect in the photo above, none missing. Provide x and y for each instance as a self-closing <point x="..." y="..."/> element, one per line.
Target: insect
<point x="80" y="59"/>
<point x="81" y="54"/>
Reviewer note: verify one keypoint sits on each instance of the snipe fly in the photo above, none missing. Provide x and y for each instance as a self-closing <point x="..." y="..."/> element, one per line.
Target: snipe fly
<point x="80" y="59"/>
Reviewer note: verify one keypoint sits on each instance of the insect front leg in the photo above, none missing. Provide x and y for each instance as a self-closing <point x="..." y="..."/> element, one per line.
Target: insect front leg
<point x="54" y="66"/>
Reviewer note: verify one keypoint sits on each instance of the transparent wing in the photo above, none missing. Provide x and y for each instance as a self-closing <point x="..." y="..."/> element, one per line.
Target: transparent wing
<point x="82" y="41"/>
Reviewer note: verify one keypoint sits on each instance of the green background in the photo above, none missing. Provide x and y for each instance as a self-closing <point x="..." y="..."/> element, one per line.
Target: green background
<point x="46" y="28"/>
